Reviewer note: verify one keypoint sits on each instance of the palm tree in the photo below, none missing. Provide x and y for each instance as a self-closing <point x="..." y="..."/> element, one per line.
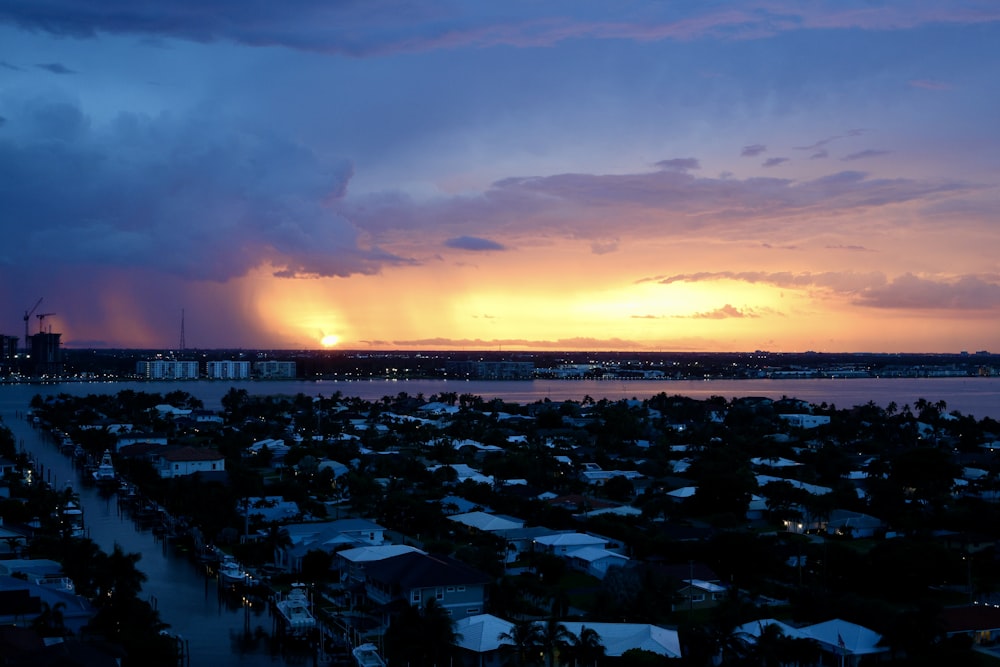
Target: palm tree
<point x="555" y="636"/>
<point x="586" y="648"/>
<point x="438" y="630"/>
<point x="51" y="622"/>
<point x="526" y="638"/>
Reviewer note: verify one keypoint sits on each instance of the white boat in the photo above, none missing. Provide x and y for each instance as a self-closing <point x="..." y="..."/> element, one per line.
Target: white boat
<point x="230" y="571"/>
<point x="294" y="610"/>
<point x="72" y="519"/>
<point x="105" y="472"/>
<point x="366" y="655"/>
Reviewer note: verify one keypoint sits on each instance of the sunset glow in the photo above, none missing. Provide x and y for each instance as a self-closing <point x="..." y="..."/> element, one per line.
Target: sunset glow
<point x="679" y="176"/>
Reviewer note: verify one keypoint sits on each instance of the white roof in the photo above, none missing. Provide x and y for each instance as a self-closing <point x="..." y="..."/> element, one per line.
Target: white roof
<point x="486" y="522"/>
<point x="683" y="492"/>
<point x="701" y="584"/>
<point x="776" y="462"/>
<point x="593" y="554"/>
<point x="570" y="540"/>
<point x="620" y="637"/>
<point x="809" y="488"/>
<point x="369" y="554"/>
<point x="844" y="635"/>
<point x="480" y="633"/>
<point x="836" y="635"/>
<point x="621" y="510"/>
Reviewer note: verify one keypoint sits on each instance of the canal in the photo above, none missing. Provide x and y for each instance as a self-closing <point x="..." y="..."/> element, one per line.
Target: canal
<point x="215" y="624"/>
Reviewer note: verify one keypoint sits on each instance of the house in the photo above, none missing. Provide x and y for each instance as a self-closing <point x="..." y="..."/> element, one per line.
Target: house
<point x="565" y="543"/>
<point x="12" y="540"/>
<point x="981" y="622"/>
<point x="487" y="523"/>
<point x="269" y="509"/>
<point x="594" y="475"/>
<point x="327" y="536"/>
<point x="464" y="473"/>
<point x="617" y="638"/>
<point x="479" y="638"/>
<point x="699" y="594"/>
<point x="595" y="561"/>
<point x="352" y="562"/>
<point x="846" y="643"/>
<point x="806" y="421"/>
<point x="415" y="578"/>
<point x="180" y="461"/>
<point x="135" y="437"/>
<point x="522" y="540"/>
<point x="852" y="524"/>
<point x="274" y="448"/>
<point x="21" y="602"/>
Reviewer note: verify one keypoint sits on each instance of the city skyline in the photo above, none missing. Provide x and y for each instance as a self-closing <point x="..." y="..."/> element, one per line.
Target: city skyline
<point x="637" y="176"/>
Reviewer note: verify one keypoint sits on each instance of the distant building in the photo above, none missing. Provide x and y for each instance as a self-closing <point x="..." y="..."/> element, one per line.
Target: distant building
<point x="492" y="370"/>
<point x="46" y="354"/>
<point x="182" y="461"/>
<point x="227" y="370"/>
<point x="805" y="420"/>
<point x="274" y="370"/>
<point x="167" y="369"/>
<point x="8" y="353"/>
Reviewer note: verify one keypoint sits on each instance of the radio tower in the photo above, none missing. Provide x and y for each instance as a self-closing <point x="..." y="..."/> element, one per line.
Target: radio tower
<point x="183" y="343"/>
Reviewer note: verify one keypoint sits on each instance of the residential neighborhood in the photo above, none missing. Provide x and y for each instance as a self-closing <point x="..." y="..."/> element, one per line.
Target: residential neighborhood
<point x="669" y="530"/>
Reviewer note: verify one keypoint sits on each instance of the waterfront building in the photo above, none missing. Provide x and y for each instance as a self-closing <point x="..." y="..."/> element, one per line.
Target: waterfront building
<point x="167" y="369"/>
<point x="492" y="370"/>
<point x="227" y="370"/>
<point x="274" y="370"/>
<point x="181" y="461"/>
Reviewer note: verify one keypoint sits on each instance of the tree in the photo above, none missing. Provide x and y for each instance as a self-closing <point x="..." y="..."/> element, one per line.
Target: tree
<point x="555" y="636"/>
<point x="525" y="638"/>
<point x="50" y="623"/>
<point x="586" y="649"/>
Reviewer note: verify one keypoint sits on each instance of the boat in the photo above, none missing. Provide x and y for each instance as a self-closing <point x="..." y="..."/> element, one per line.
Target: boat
<point x="105" y="475"/>
<point x="366" y="655"/>
<point x="72" y="519"/>
<point x="294" y="610"/>
<point x="230" y="572"/>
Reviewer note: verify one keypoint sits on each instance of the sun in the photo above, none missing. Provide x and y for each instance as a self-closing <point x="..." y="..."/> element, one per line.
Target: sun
<point x="330" y="340"/>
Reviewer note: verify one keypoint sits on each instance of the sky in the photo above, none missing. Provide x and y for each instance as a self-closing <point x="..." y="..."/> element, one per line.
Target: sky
<point x="518" y="175"/>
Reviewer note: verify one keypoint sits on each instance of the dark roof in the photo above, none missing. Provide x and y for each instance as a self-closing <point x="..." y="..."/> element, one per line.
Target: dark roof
<point x="190" y="454"/>
<point x="418" y="570"/>
<point x="139" y="449"/>
<point x="19" y="602"/>
<point x="970" y="618"/>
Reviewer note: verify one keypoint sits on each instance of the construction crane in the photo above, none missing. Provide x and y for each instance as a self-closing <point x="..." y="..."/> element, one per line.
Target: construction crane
<point x="27" y="316"/>
<point x="41" y="317"/>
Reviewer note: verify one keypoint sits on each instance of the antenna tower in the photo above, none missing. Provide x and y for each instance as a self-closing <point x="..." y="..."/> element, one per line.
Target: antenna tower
<point x="183" y="342"/>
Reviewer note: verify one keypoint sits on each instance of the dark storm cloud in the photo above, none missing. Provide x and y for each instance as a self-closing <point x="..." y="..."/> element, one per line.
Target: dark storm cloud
<point x="189" y="197"/>
<point x="55" y="68"/>
<point x="380" y="26"/>
<point x="909" y="291"/>
<point x="474" y="243"/>
<point x="861" y="155"/>
<point x="851" y="248"/>
<point x="874" y="290"/>
<point x="679" y="164"/>
<point x="662" y="201"/>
